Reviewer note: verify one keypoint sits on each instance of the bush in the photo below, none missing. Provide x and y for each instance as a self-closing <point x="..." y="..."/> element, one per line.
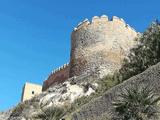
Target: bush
<point x="108" y="82"/>
<point x="18" y="109"/>
<point x="22" y="106"/>
<point x="50" y="113"/>
<point x="145" y="54"/>
<point x="136" y="104"/>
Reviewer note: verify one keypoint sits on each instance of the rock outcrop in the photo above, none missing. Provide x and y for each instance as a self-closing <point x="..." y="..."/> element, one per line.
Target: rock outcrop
<point x="5" y="115"/>
<point x="56" y="96"/>
<point x="97" y="107"/>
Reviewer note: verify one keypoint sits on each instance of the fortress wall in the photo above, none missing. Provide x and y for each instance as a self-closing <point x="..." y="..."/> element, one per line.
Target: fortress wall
<point x="97" y="49"/>
<point x="57" y="76"/>
<point x="100" y="45"/>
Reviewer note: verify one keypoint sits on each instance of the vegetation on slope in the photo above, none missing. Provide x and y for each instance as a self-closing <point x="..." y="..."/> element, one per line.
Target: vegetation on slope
<point x="51" y="113"/>
<point x="137" y="103"/>
<point x="141" y="57"/>
<point x="21" y="107"/>
<point x="145" y="54"/>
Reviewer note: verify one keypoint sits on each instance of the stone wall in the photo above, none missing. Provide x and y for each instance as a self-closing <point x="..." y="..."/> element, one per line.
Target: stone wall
<point x="97" y="48"/>
<point x="30" y="90"/>
<point x="100" y="46"/>
<point x="103" y="104"/>
<point x="57" y="76"/>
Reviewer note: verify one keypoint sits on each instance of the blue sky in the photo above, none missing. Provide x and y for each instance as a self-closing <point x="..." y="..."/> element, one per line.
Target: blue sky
<point x="35" y="35"/>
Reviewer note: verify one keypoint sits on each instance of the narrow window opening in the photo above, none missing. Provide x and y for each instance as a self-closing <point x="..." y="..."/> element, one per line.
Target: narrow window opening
<point x="32" y="92"/>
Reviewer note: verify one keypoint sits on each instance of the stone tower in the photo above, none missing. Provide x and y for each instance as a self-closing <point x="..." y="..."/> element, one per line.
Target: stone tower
<point x="30" y="90"/>
<point x="99" y="46"/>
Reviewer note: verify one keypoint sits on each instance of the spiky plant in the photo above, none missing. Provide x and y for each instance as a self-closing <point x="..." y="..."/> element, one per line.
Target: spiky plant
<point x="51" y="113"/>
<point x="137" y="104"/>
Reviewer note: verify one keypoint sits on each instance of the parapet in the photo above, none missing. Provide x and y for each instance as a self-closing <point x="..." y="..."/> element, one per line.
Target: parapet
<point x="97" y="19"/>
<point x="82" y="24"/>
<point x="60" y="68"/>
<point x="99" y="46"/>
<point x="115" y="18"/>
<point x="58" y="75"/>
<point x="102" y="19"/>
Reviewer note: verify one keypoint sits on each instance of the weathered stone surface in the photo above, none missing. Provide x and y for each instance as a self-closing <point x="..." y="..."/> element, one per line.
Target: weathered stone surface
<point x="97" y="47"/>
<point x="5" y="115"/>
<point x="97" y="107"/>
<point x="56" y="96"/>
<point x="68" y="91"/>
<point x="57" y="76"/>
<point x="103" y="104"/>
<point x="100" y="46"/>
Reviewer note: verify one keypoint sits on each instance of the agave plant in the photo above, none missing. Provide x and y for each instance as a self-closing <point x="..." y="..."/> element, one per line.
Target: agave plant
<point x="51" y="113"/>
<point x="137" y="104"/>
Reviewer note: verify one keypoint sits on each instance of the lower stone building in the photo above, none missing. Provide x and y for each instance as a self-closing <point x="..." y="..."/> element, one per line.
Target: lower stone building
<point x="30" y="90"/>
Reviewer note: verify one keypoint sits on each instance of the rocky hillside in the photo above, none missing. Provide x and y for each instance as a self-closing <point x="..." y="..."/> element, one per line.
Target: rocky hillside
<point x="60" y="95"/>
<point x="96" y="108"/>
<point x="103" y="105"/>
<point x="5" y="115"/>
<point x="88" y="97"/>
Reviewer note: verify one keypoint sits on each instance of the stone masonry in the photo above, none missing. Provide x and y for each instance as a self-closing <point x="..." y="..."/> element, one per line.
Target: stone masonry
<point x="99" y="46"/>
<point x="97" y="49"/>
<point x="57" y="76"/>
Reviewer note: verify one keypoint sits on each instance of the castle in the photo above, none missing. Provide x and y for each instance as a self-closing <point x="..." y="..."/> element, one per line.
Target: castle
<point x="97" y="49"/>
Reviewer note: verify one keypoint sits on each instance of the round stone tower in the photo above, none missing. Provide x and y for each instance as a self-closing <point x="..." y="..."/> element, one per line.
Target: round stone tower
<point x="99" y="46"/>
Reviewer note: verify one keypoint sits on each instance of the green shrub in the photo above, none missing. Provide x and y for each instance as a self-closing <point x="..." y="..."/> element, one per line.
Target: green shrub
<point x="18" y="109"/>
<point x="50" y="113"/>
<point x="23" y="106"/>
<point x="108" y="82"/>
<point x="145" y="54"/>
<point x="136" y="103"/>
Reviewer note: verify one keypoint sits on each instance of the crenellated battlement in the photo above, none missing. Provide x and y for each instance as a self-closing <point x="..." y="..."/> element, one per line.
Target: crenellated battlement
<point x="100" y="44"/>
<point x="102" y="19"/>
<point x="85" y="23"/>
<point x="58" y="75"/>
<point x="98" y="47"/>
<point x="60" y="68"/>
